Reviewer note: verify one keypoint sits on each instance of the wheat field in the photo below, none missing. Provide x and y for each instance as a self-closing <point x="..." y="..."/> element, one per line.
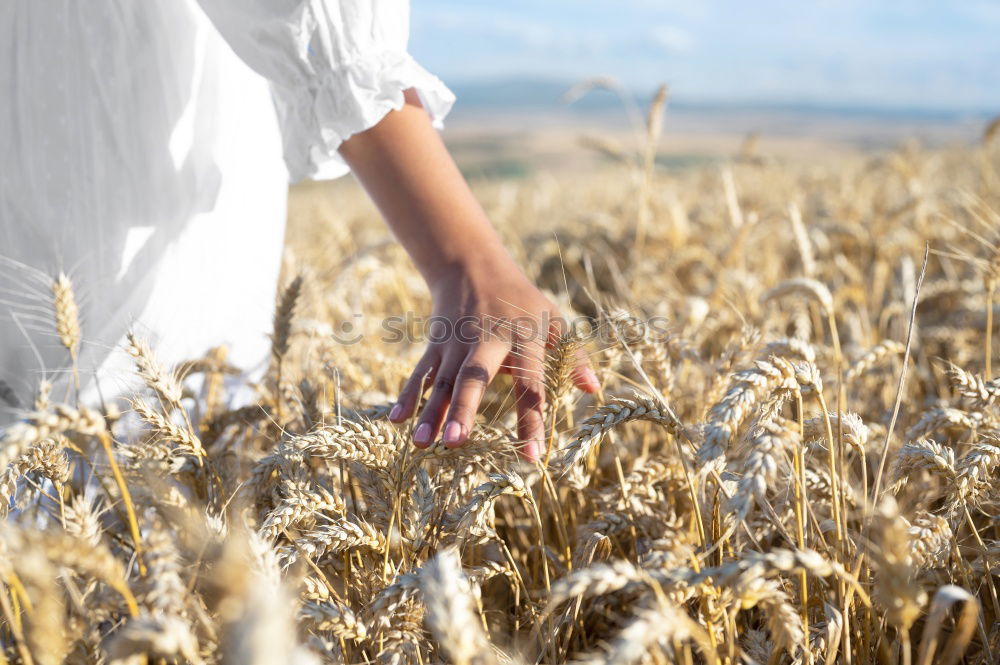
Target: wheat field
<point x="793" y="458"/>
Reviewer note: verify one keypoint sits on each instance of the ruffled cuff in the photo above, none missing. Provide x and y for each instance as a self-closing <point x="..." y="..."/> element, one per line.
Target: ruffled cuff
<point x="347" y="100"/>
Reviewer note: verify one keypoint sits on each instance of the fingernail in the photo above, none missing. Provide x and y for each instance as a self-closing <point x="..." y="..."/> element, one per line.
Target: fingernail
<point x="452" y="432"/>
<point x="396" y="412"/>
<point x="423" y="434"/>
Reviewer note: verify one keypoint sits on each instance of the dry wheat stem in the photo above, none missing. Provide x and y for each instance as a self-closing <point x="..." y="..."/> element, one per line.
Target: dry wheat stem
<point x="304" y="527"/>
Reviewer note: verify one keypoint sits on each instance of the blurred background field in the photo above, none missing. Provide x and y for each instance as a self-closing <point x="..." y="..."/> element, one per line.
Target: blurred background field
<point x="518" y="132"/>
<point x="813" y="82"/>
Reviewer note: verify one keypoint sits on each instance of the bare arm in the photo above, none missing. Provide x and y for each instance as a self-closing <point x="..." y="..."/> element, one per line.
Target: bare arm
<point x="474" y="283"/>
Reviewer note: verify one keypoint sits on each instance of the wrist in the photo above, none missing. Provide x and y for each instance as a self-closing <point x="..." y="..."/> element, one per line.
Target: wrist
<point x="480" y="264"/>
<point x="459" y="249"/>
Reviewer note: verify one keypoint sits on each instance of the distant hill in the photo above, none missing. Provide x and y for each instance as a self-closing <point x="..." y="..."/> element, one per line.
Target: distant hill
<point x="546" y="96"/>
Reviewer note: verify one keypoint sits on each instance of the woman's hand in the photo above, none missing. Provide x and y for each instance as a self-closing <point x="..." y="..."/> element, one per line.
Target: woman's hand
<point x="497" y="320"/>
<point x="486" y="319"/>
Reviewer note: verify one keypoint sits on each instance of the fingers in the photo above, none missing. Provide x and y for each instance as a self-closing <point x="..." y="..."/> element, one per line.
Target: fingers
<point x="429" y="422"/>
<point x="478" y="370"/>
<point x="529" y="396"/>
<point x="459" y="374"/>
<point x="583" y="375"/>
<point x="527" y="373"/>
<point x="422" y="376"/>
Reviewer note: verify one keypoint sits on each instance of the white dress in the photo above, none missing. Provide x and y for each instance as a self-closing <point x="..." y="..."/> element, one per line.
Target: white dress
<point x="146" y="149"/>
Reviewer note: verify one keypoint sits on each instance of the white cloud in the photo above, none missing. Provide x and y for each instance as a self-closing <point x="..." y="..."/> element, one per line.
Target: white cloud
<point x="672" y="39"/>
<point x="494" y="25"/>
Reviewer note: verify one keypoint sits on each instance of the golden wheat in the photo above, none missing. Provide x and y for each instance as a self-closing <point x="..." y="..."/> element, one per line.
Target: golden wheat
<point x="719" y="502"/>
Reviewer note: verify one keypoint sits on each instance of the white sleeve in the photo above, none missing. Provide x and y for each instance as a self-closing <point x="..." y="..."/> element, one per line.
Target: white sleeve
<point x="336" y="68"/>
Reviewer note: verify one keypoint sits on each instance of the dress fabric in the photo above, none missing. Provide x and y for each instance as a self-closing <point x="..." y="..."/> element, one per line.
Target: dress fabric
<point x="146" y="149"/>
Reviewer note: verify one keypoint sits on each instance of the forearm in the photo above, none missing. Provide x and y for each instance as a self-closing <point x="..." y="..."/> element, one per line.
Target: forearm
<point x="410" y="176"/>
<point x="407" y="171"/>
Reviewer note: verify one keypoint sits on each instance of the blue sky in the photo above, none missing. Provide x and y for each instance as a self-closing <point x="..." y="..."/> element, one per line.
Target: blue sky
<point x="918" y="53"/>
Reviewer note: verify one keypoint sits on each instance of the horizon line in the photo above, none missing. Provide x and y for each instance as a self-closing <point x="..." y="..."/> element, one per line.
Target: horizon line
<point x="683" y="102"/>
